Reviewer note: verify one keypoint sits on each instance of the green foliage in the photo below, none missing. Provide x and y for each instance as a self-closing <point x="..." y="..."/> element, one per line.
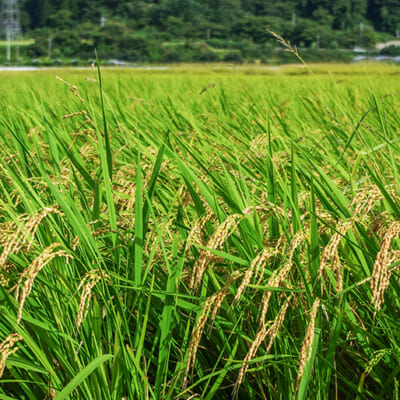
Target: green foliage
<point x="39" y="48"/>
<point x="391" y="51"/>
<point x="68" y="42"/>
<point x="313" y="23"/>
<point x="233" y="56"/>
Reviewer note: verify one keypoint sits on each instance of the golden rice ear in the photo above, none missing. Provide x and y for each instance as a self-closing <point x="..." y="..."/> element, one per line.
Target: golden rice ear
<point x="259" y="146"/>
<point x="306" y="350"/>
<point x="287" y="45"/>
<point x="72" y="88"/>
<point x="278" y="277"/>
<point x="7" y="348"/>
<point x="195" y="234"/>
<point x="221" y="294"/>
<point x="197" y="334"/>
<point x="261" y="335"/>
<point x="213" y="302"/>
<point x="257" y="264"/>
<point x="24" y="234"/>
<point x="31" y="272"/>
<point x="365" y="200"/>
<point x="206" y="257"/>
<point x="5" y="272"/>
<point x="88" y="282"/>
<point x="385" y="257"/>
<point x="330" y="253"/>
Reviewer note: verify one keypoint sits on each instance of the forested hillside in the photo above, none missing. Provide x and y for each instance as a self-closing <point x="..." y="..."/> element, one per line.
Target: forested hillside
<point x="207" y="30"/>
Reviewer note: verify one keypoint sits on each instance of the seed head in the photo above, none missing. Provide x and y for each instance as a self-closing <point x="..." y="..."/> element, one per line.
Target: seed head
<point x="7" y="348"/>
<point x="306" y="348"/>
<point x="31" y="272"/>
<point x="88" y="282"/>
<point x="23" y="235"/>
<point x="269" y="329"/>
<point x="385" y="257"/>
<point x="206" y="257"/>
<point x="330" y="253"/>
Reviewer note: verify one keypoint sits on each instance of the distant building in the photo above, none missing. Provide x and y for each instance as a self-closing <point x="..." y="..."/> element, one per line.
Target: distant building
<point x="382" y="45"/>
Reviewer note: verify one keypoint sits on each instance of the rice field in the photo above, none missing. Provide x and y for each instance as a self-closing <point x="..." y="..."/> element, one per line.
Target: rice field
<point x="200" y="233"/>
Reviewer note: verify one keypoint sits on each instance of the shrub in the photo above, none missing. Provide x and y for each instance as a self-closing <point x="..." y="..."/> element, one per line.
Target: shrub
<point x="234" y="56"/>
<point x="391" y="51"/>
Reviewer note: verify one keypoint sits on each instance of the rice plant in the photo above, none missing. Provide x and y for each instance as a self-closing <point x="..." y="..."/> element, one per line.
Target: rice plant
<point x="200" y="234"/>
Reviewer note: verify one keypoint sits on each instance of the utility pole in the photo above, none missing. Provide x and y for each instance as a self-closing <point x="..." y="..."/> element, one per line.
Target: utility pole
<point x="361" y="32"/>
<point x="49" y="43"/>
<point x="9" y="23"/>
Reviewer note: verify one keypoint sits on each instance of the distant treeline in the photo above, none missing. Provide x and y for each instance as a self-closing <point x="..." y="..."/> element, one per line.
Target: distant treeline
<point x="208" y="30"/>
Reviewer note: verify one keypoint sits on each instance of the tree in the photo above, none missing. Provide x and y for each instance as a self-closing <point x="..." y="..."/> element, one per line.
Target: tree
<point x="329" y="23"/>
